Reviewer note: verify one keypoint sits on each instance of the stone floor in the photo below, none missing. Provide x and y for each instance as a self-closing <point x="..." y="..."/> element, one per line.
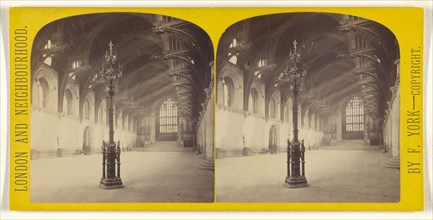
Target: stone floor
<point x="147" y="177"/>
<point x="334" y="175"/>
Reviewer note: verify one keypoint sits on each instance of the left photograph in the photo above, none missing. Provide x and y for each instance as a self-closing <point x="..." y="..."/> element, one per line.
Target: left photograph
<point x="122" y="110"/>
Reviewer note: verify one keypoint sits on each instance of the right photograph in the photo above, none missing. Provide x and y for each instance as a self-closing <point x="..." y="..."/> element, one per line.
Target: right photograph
<point x="307" y="110"/>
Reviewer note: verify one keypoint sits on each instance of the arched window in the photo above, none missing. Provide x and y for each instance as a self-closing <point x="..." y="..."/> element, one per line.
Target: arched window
<point x="42" y="93"/>
<point x="354" y="115"/>
<point x="167" y="18"/>
<point x="48" y="60"/>
<point x="233" y="59"/>
<point x="168" y="117"/>
<point x="86" y="109"/>
<point x="125" y="122"/>
<point x="76" y="64"/>
<point x="131" y="124"/>
<point x="305" y="119"/>
<point x="311" y="120"/>
<point x="288" y="112"/>
<point x="48" y="45"/>
<point x="234" y="43"/>
<point x="254" y="105"/>
<point x="262" y="62"/>
<point x="272" y="109"/>
<point x="102" y="113"/>
<point x="119" y="119"/>
<point x="228" y="90"/>
<point x="67" y="103"/>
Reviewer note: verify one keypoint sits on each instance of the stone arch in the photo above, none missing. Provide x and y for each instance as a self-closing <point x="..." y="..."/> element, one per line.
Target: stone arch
<point x="131" y="123"/>
<point x="44" y="88"/>
<point x="70" y="106"/>
<point x="305" y="117"/>
<point x="102" y="114"/>
<point x="260" y="96"/>
<point x="232" y="74"/>
<point x="228" y="91"/>
<point x="118" y="118"/>
<point x="47" y="73"/>
<point x="274" y="137"/>
<point x="67" y="102"/>
<point x="272" y="108"/>
<point x="274" y="99"/>
<point x="87" y="140"/>
<point x="288" y="111"/>
<point x="253" y="103"/>
<point x="312" y="120"/>
<point x="88" y="107"/>
<point x="125" y="120"/>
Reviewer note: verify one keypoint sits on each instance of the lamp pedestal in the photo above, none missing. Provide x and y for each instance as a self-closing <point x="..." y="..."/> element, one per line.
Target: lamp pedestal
<point x="295" y="167"/>
<point x="293" y="71"/>
<point x="111" y="71"/>
<point x="111" y="160"/>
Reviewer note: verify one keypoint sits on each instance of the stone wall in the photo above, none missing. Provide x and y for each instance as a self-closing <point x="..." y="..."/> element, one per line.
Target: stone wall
<point x="57" y="132"/>
<point x="51" y="131"/>
<point x="242" y="133"/>
<point x="391" y="128"/>
<point x="205" y="130"/>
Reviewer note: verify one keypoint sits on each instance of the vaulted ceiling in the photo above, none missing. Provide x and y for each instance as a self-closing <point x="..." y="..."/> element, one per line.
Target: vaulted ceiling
<point x="149" y="47"/>
<point x="345" y="56"/>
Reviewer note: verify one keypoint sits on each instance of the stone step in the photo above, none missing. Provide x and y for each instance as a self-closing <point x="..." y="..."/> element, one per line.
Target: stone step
<point x="166" y="143"/>
<point x="392" y="162"/>
<point x="206" y="164"/>
<point x="350" y="147"/>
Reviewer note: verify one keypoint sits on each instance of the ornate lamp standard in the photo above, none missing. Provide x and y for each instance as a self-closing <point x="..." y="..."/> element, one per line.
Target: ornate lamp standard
<point x="111" y="71"/>
<point x="293" y="71"/>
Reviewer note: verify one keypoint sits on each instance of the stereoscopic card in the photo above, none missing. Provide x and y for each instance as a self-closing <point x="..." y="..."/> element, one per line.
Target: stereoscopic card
<point x="216" y="108"/>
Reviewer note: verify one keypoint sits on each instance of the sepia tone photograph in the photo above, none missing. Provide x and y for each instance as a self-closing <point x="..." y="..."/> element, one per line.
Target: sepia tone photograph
<point x="122" y="110"/>
<point x="308" y="110"/>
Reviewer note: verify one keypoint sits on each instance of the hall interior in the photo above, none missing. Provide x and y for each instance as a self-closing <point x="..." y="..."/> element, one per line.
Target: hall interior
<point x="348" y="109"/>
<point x="163" y="108"/>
